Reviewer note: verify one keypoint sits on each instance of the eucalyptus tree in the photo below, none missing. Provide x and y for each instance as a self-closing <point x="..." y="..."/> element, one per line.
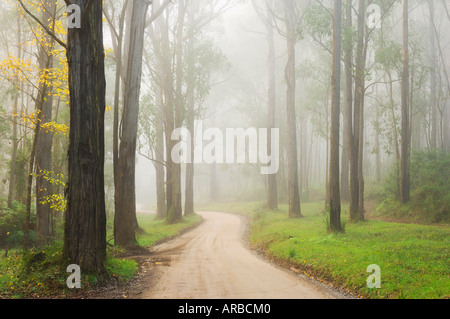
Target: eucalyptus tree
<point x="405" y="144"/>
<point x="125" y="195"/>
<point x="85" y="218"/>
<point x="267" y="20"/>
<point x="288" y="19"/>
<point x="335" y="197"/>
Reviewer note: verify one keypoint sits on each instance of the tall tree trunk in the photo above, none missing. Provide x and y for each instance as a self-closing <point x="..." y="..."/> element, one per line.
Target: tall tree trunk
<point x="117" y="88"/>
<point x="125" y="221"/>
<point x="357" y="125"/>
<point x="361" y="150"/>
<point x="272" y="190"/>
<point x="189" y="191"/>
<point x="348" y="114"/>
<point x="175" y="209"/>
<point x="433" y="71"/>
<point x="335" y="196"/>
<point x="159" y="166"/>
<point x="378" y="146"/>
<point x="395" y="138"/>
<point x="85" y="218"/>
<point x="404" y="166"/>
<point x="27" y="225"/>
<point x="345" y="165"/>
<point x="12" y="167"/>
<point x="290" y="75"/>
<point x="272" y="198"/>
<point x="44" y="225"/>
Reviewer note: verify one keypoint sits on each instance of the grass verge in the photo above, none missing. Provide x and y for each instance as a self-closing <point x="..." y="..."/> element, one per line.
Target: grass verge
<point x="38" y="274"/>
<point x="414" y="259"/>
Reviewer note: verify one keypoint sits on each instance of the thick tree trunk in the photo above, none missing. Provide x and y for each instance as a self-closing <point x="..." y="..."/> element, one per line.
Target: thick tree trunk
<point x="335" y="196"/>
<point x="125" y="222"/>
<point x="85" y="218"/>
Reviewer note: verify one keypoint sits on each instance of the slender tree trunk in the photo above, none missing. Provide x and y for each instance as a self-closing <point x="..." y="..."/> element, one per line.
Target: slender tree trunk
<point x="290" y="74"/>
<point x="404" y="167"/>
<point x="272" y="201"/>
<point x="433" y="100"/>
<point x="125" y="222"/>
<point x="175" y="209"/>
<point x="348" y="114"/>
<point x="335" y="196"/>
<point x="117" y="88"/>
<point x="157" y="33"/>
<point x="327" y="159"/>
<point x="12" y="167"/>
<point x="378" y="146"/>
<point x="44" y="225"/>
<point x="359" y="91"/>
<point x="85" y="218"/>
<point x="345" y="167"/>
<point x="189" y="190"/>
<point x="27" y="225"/>
<point x="159" y="166"/>
<point x="272" y="190"/>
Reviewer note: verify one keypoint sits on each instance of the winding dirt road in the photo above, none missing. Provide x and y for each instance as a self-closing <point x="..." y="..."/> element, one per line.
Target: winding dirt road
<point x="212" y="262"/>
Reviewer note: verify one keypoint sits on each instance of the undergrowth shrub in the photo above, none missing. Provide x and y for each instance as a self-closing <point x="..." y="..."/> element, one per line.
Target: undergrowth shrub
<point x="430" y="185"/>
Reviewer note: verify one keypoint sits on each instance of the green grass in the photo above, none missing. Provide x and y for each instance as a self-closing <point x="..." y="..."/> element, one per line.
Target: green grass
<point x="158" y="230"/>
<point x="414" y="259"/>
<point x="39" y="273"/>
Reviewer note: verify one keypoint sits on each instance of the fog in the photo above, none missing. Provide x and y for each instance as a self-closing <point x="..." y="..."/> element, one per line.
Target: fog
<point x="238" y="98"/>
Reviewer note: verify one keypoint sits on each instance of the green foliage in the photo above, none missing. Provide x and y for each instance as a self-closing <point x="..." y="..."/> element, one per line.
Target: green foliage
<point x="390" y="56"/>
<point x="156" y="230"/>
<point x="11" y="221"/>
<point x="57" y="202"/>
<point x="121" y="269"/>
<point x="39" y="273"/>
<point x="32" y="274"/>
<point x="319" y="24"/>
<point x="430" y="184"/>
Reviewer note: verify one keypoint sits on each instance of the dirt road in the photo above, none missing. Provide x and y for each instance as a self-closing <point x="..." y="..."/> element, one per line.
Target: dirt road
<point x="212" y="262"/>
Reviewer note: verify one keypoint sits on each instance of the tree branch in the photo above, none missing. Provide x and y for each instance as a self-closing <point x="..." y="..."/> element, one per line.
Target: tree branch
<point x="61" y="43"/>
<point x="158" y="12"/>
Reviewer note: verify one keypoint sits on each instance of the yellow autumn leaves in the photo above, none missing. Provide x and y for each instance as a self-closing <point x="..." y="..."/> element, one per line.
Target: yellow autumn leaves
<point x="57" y="202"/>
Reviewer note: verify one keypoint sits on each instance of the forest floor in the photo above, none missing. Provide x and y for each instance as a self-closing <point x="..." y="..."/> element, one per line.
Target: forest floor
<point x="227" y="256"/>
